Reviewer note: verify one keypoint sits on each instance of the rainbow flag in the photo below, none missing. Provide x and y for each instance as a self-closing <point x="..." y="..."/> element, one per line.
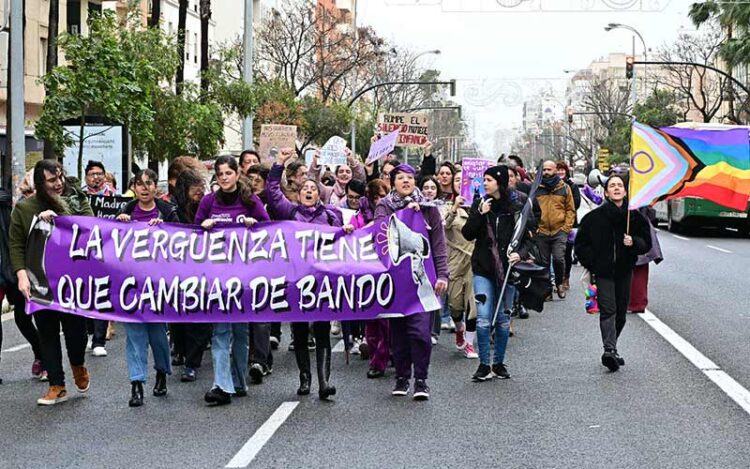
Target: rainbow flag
<point x="725" y="154"/>
<point x="660" y="166"/>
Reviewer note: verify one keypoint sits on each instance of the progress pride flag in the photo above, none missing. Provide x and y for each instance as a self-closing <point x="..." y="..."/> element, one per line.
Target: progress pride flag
<point x="277" y="271"/>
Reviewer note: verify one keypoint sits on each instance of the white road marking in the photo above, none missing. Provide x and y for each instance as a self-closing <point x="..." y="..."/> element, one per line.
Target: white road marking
<point x="681" y="237"/>
<point x="726" y="383"/>
<point x="339" y="347"/>
<point x="256" y="442"/>
<point x="718" y="249"/>
<point x="17" y="348"/>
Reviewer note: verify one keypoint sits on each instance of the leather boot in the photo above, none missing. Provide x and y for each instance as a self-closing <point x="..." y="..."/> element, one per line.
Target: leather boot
<point x="136" y="394"/>
<point x="323" y="362"/>
<point x="303" y="363"/>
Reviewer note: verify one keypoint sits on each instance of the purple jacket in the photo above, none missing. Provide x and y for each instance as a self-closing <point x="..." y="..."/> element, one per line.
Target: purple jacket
<point x="437" y="235"/>
<point x="283" y="209"/>
<point x="211" y="206"/>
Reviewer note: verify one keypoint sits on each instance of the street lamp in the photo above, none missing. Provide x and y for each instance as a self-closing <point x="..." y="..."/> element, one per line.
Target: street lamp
<point x="612" y="26"/>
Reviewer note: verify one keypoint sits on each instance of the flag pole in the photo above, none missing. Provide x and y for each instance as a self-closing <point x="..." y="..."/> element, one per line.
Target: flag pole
<point x="630" y="177"/>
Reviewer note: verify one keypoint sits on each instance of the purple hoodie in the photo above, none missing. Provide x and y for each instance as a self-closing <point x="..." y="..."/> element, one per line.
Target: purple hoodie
<point x="434" y="221"/>
<point x="283" y="209"/>
<point x="212" y="207"/>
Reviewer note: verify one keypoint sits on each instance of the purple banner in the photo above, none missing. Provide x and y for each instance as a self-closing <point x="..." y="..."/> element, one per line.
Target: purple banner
<point x="472" y="178"/>
<point x="277" y="271"/>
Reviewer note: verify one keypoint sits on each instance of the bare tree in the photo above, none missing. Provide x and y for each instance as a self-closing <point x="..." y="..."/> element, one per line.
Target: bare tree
<point x="609" y="101"/>
<point x="313" y="50"/>
<point x="701" y="90"/>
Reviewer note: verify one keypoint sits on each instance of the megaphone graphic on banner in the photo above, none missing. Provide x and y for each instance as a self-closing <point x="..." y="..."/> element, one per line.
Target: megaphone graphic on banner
<point x="403" y="243"/>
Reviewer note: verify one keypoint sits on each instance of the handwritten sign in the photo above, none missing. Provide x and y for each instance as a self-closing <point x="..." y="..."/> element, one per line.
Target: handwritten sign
<point x="107" y="207"/>
<point x="413" y="128"/>
<point x="383" y="146"/>
<point x="278" y="136"/>
<point x="333" y="152"/>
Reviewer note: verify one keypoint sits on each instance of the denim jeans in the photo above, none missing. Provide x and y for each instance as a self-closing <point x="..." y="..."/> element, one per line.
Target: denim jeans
<point x="446" y="312"/>
<point x="229" y="370"/>
<point x="486" y="292"/>
<point x="139" y="337"/>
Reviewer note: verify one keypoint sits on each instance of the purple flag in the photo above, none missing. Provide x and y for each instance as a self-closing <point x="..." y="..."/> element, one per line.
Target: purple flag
<point x="383" y="146"/>
<point x="276" y="271"/>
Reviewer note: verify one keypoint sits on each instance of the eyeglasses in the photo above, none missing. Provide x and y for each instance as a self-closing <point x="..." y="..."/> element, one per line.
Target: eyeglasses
<point x="95" y="175"/>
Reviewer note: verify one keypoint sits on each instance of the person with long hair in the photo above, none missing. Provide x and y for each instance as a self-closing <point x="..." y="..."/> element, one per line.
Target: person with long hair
<point x="190" y="339"/>
<point x="446" y="173"/>
<point x="146" y="208"/>
<point x="410" y="335"/>
<point x="490" y="225"/>
<point x="234" y="202"/>
<point x="310" y="209"/>
<point x="342" y="174"/>
<point x="53" y="197"/>
<point x="430" y="188"/>
<point x="608" y="243"/>
<point x="460" y="296"/>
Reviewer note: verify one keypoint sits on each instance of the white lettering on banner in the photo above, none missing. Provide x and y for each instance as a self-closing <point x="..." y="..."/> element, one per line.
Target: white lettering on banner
<point x="314" y="295"/>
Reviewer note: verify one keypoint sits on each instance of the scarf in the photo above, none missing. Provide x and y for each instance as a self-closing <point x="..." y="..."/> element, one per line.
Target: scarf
<point x="395" y="202"/>
<point x="551" y="182"/>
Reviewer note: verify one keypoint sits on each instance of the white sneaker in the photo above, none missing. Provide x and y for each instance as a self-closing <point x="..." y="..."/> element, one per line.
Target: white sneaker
<point x="355" y="346"/>
<point x="434" y="340"/>
<point x="100" y="352"/>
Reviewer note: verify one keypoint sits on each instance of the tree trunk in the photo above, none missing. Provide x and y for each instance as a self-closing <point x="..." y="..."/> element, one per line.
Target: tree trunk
<point x="181" y="21"/>
<point x="153" y="21"/>
<point x="81" y="127"/>
<point x="53" y="26"/>
<point x="205" y="7"/>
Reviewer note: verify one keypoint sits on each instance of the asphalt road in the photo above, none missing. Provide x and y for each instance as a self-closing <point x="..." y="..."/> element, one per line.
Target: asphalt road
<point x="561" y="409"/>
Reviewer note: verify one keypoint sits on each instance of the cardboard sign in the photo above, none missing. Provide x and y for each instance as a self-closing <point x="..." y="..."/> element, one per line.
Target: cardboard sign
<point x="107" y="207"/>
<point x="472" y="178"/>
<point x="278" y="136"/>
<point x="333" y="152"/>
<point x="412" y="127"/>
<point x="383" y="146"/>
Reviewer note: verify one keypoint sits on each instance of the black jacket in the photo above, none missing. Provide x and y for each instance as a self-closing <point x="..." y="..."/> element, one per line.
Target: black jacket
<point x="504" y="222"/>
<point x="599" y="245"/>
<point x="167" y="211"/>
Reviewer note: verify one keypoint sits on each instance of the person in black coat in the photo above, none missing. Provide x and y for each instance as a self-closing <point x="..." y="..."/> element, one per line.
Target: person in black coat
<point x="609" y="251"/>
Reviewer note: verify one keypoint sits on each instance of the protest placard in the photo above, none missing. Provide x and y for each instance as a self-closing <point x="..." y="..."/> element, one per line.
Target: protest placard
<point x="278" y="136"/>
<point x="472" y="178"/>
<point x="276" y="271"/>
<point x="333" y="152"/>
<point x="383" y="146"/>
<point x="107" y="207"/>
<point x="413" y="128"/>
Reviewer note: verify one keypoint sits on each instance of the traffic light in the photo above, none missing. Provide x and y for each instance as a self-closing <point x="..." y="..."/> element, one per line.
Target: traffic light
<point x="453" y="87"/>
<point x="629" y="67"/>
<point x="570" y="116"/>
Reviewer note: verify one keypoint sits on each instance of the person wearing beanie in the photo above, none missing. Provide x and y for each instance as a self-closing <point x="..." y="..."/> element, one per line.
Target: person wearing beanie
<point x="491" y="224"/>
<point x="410" y="335"/>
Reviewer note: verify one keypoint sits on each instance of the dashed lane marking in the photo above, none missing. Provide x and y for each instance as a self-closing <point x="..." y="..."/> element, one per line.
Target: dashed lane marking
<point x="726" y="383"/>
<point x="716" y="248"/>
<point x="681" y="237"/>
<point x="256" y="442"/>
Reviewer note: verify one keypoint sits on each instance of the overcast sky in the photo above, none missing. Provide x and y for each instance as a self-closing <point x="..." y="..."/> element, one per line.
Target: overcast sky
<point x="501" y="55"/>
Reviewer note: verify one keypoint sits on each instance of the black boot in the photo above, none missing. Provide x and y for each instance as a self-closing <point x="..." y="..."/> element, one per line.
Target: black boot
<point x="136" y="394"/>
<point x="323" y="362"/>
<point x="160" y="387"/>
<point x="303" y="363"/>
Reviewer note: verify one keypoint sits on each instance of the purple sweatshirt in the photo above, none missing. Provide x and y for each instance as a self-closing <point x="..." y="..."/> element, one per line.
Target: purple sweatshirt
<point x="211" y="207"/>
<point x="283" y="209"/>
<point x="437" y="235"/>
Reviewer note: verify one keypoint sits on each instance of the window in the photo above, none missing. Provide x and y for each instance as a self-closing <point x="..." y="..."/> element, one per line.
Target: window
<point x="187" y="46"/>
<point x="195" y="47"/>
<point x="42" y="56"/>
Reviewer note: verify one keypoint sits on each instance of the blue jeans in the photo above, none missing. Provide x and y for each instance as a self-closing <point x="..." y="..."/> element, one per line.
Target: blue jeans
<point x="485" y="294"/>
<point x="446" y="314"/>
<point x="229" y="371"/>
<point x="140" y="336"/>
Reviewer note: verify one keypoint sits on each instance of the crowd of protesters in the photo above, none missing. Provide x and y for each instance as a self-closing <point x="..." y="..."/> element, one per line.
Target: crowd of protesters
<point x="469" y="242"/>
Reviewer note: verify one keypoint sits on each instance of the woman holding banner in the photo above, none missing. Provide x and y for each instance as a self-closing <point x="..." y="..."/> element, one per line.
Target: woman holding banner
<point x="309" y="210"/>
<point x="410" y="335"/>
<point x="53" y="197"/>
<point x="146" y="208"/>
<point x="608" y="243"/>
<point x="233" y="203"/>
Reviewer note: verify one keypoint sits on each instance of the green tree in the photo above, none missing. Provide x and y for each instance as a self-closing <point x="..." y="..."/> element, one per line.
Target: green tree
<point x="114" y="72"/>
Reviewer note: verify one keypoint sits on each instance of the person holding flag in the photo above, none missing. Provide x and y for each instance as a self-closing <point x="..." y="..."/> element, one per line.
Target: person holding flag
<point x="608" y="243"/>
